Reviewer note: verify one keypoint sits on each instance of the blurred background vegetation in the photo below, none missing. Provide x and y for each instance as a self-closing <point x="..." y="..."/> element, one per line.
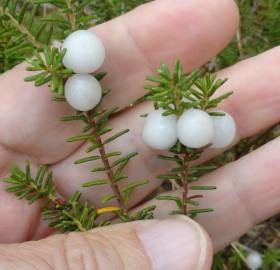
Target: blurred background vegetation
<point x="259" y="31"/>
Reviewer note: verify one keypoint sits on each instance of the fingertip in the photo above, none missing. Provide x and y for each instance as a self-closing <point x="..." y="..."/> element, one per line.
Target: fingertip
<point x="176" y="243"/>
<point x="189" y="30"/>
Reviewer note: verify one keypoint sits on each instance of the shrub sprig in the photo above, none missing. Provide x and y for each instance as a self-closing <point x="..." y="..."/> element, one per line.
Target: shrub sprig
<point x="175" y="91"/>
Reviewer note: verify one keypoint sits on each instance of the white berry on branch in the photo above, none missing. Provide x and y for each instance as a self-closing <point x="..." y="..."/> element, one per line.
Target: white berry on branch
<point x="83" y="92"/>
<point x="224" y="130"/>
<point x="195" y="128"/>
<point x="85" y="52"/>
<point x="160" y="131"/>
<point x="254" y="260"/>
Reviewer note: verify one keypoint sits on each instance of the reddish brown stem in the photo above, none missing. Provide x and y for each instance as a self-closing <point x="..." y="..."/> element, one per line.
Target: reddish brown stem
<point x="130" y="106"/>
<point x="109" y="171"/>
<point x="195" y="197"/>
<point x="185" y="183"/>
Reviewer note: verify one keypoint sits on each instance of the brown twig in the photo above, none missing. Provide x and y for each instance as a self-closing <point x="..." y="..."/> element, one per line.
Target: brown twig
<point x="110" y="174"/>
<point x="185" y="183"/>
<point x="130" y="106"/>
<point x="70" y="15"/>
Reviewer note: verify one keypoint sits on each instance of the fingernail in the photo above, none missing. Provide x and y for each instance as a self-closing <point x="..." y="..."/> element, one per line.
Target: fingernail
<point x="175" y="244"/>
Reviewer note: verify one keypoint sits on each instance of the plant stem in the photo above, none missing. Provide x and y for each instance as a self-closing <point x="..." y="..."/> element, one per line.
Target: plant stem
<point x="240" y="254"/>
<point x="70" y="15"/>
<point x="50" y="197"/>
<point x="239" y="43"/>
<point x="78" y="223"/>
<point x="130" y="106"/>
<point x="57" y="201"/>
<point x="185" y="182"/>
<point x="110" y="174"/>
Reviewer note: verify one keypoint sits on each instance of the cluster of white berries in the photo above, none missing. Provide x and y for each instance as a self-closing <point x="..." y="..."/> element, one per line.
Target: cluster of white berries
<point x="194" y="128"/>
<point x="85" y="54"/>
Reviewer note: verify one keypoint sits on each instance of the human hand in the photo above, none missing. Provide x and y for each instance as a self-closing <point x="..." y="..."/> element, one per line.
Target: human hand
<point x="248" y="189"/>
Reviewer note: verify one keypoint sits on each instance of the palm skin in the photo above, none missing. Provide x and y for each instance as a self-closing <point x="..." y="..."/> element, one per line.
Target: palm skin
<point x="247" y="190"/>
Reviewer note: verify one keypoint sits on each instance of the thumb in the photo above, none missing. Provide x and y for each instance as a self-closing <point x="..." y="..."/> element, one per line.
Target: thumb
<point x="176" y="244"/>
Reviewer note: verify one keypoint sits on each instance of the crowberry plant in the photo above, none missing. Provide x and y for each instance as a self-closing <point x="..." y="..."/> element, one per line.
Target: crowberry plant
<point x="184" y="122"/>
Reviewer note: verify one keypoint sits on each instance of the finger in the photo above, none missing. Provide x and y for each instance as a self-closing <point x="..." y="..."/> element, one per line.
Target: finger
<point x="252" y="108"/>
<point x="255" y="104"/>
<point x="178" y="244"/>
<point x="247" y="193"/>
<point x="29" y="119"/>
<point x="17" y="216"/>
<point x="163" y="31"/>
<point x="20" y="218"/>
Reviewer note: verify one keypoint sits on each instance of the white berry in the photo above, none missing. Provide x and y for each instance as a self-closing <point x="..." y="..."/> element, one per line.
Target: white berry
<point x="254" y="260"/>
<point x="224" y="130"/>
<point x="160" y="131"/>
<point x="85" y="52"/>
<point x="83" y="92"/>
<point x="195" y="128"/>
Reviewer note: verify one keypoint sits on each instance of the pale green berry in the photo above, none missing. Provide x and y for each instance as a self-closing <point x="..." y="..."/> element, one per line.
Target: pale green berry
<point x="85" y="52"/>
<point x="195" y="128"/>
<point x="224" y="130"/>
<point x="160" y="131"/>
<point x="83" y="92"/>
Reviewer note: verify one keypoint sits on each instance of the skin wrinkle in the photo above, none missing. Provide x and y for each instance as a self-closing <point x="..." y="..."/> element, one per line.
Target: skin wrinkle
<point x="40" y="262"/>
<point x="103" y="240"/>
<point x="86" y="251"/>
<point x="146" y="255"/>
<point x="124" y="241"/>
<point x="94" y="258"/>
<point x="234" y="180"/>
<point x="7" y="201"/>
<point x="141" y="52"/>
<point x="45" y="261"/>
<point x="35" y="221"/>
<point x="6" y="163"/>
<point x="64" y="251"/>
<point x="6" y="261"/>
<point x="19" y="259"/>
<point x="116" y="250"/>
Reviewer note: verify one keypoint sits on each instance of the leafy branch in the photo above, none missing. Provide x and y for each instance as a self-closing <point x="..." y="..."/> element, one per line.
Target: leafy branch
<point x="185" y="175"/>
<point x="13" y="45"/>
<point x="96" y="127"/>
<point x="65" y="215"/>
<point x="49" y="68"/>
<point x="71" y="15"/>
<point x="175" y="92"/>
<point x="16" y="16"/>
